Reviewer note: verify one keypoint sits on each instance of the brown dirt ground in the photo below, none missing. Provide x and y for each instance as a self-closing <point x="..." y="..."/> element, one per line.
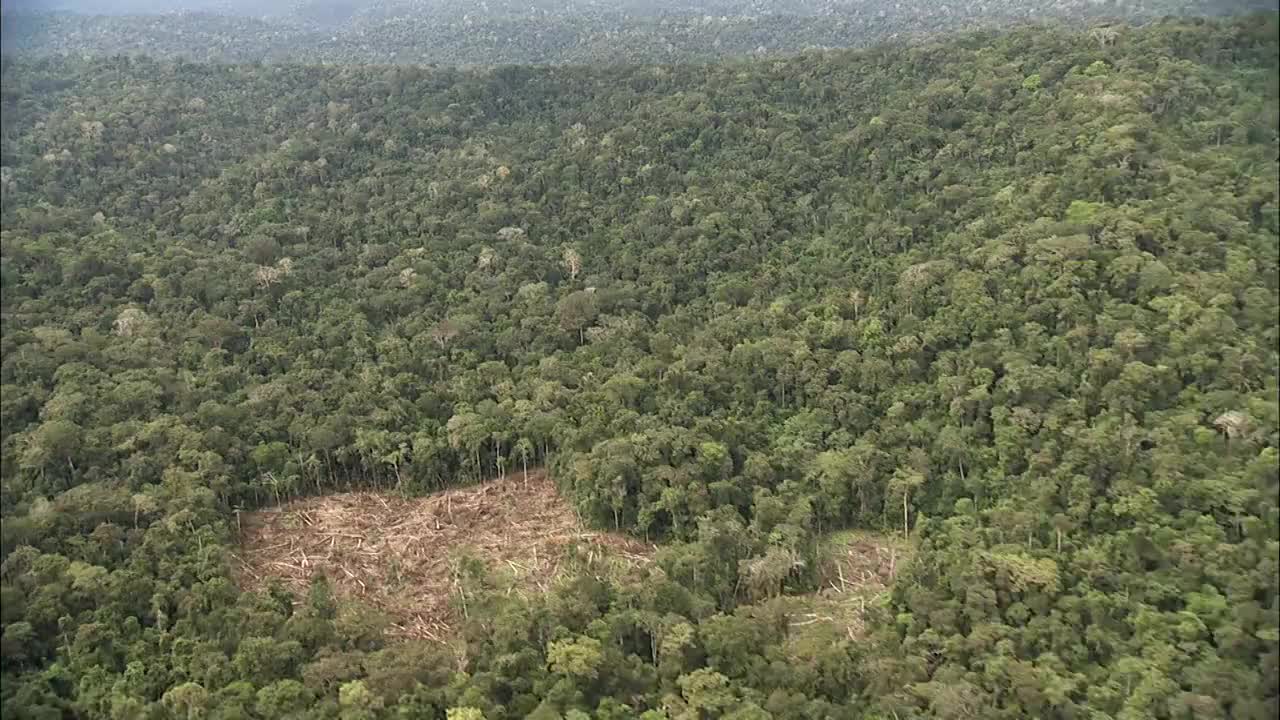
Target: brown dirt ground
<point x="398" y="554"/>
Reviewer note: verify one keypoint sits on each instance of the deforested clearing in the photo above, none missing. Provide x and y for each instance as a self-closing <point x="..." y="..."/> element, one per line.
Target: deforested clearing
<point x="855" y="571"/>
<point x="401" y="555"/>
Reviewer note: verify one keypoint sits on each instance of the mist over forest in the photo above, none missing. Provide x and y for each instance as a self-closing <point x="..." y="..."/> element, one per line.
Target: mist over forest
<point x="496" y="32"/>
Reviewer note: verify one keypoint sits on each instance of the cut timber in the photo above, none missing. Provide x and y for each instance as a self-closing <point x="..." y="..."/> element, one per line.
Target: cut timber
<point x="394" y="553"/>
<point x="855" y="570"/>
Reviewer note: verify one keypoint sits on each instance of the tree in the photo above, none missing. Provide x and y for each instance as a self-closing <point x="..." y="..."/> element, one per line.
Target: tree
<point x="188" y="700"/>
<point x="766" y="575"/>
<point x="707" y="693"/>
<point x="357" y="703"/>
<point x="283" y="699"/>
<point x="572" y="262"/>
<point x="836" y="473"/>
<point x="577" y="311"/>
<point x="51" y="444"/>
<point x="467" y="431"/>
<point x="904" y="482"/>
<point x="578" y="658"/>
<point x="524" y="448"/>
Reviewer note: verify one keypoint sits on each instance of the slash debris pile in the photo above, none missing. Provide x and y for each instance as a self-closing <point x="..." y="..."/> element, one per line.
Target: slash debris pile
<point x="855" y="571"/>
<point x="399" y="554"/>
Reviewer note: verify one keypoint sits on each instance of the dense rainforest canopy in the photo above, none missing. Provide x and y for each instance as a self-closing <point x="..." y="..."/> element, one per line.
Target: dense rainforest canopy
<point x="495" y="32"/>
<point x="1014" y="294"/>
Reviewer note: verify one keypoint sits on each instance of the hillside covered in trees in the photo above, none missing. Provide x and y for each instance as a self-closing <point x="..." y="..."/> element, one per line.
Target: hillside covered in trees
<point x="1013" y="294"/>
<point x="497" y="32"/>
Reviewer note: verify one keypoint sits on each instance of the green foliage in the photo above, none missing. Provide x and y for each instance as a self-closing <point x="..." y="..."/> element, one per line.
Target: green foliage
<point x="505" y="32"/>
<point x="578" y="658"/>
<point x="730" y="308"/>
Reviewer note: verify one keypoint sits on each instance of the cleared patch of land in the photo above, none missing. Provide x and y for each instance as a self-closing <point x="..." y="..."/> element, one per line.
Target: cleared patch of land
<point x="856" y="569"/>
<point x="400" y="554"/>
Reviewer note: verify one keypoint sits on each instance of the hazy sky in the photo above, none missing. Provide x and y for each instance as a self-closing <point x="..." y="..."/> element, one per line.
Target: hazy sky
<point x="112" y="7"/>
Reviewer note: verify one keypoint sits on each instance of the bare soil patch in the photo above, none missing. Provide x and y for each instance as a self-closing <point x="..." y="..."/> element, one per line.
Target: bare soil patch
<point x="399" y="554"/>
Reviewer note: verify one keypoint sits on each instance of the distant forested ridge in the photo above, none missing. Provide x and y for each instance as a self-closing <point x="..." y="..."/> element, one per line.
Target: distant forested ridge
<point x="1013" y="294"/>
<point x="461" y="32"/>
